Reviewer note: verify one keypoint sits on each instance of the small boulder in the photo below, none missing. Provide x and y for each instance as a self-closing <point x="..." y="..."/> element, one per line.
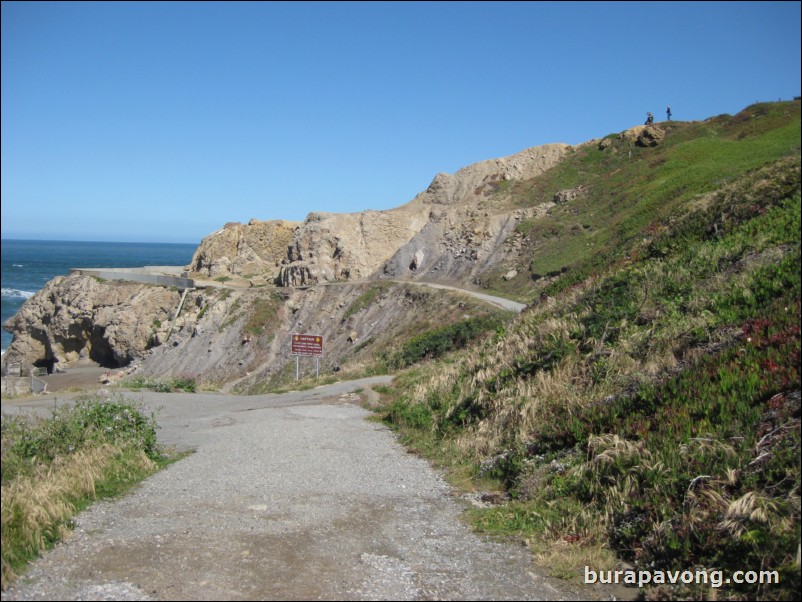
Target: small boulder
<point x="650" y="136"/>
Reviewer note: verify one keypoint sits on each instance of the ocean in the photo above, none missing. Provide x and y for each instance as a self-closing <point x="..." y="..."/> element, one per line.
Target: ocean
<point x="28" y="264"/>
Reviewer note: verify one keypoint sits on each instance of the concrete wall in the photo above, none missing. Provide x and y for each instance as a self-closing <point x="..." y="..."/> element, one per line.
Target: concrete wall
<point x="148" y="275"/>
<point x="38" y="385"/>
<point x="15" y="386"/>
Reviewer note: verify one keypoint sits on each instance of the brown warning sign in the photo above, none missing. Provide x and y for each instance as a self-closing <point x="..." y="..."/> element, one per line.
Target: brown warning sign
<point x="307" y="344"/>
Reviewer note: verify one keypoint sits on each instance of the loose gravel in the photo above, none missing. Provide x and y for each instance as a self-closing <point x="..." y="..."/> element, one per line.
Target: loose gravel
<point x="286" y="497"/>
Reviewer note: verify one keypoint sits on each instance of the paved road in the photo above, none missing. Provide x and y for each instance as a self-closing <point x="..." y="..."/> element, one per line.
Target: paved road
<point x="287" y="497"/>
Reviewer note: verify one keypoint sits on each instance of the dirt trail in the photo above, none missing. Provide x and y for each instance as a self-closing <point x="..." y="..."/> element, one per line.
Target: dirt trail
<point x="287" y="497"/>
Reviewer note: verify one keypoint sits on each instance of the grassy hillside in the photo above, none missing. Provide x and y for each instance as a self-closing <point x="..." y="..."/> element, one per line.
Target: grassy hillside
<point x="629" y="190"/>
<point x="646" y="408"/>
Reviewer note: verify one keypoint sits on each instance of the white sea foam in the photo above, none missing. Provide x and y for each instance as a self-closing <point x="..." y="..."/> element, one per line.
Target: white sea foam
<point x="15" y="293"/>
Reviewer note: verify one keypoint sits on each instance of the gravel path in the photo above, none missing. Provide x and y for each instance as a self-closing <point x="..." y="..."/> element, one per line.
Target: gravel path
<point x="497" y="301"/>
<point x="287" y="497"/>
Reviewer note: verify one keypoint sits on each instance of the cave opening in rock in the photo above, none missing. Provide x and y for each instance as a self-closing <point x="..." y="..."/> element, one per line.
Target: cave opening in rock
<point x="102" y="353"/>
<point x="48" y="362"/>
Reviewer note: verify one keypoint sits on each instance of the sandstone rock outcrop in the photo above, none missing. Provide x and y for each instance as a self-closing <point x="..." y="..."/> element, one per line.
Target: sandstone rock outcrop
<point x="570" y="194"/>
<point x="650" y="136"/>
<point x="79" y="317"/>
<point x="257" y="247"/>
<point x="446" y="225"/>
<point x="642" y="135"/>
<point x="450" y="232"/>
<point x="464" y="232"/>
<point x="352" y="246"/>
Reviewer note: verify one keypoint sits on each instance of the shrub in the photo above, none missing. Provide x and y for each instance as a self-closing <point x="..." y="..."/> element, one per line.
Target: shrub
<point x="438" y="342"/>
<point x="52" y="467"/>
<point x="169" y="385"/>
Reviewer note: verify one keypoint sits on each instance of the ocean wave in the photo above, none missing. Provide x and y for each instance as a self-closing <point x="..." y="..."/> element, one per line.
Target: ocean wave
<point x="15" y="293"/>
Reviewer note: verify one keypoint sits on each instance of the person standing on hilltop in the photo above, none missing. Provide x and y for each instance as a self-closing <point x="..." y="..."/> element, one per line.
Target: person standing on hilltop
<point x="668" y="113"/>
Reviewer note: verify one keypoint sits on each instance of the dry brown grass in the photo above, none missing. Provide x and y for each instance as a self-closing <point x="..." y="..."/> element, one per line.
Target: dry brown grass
<point x="563" y="558"/>
<point x="37" y="508"/>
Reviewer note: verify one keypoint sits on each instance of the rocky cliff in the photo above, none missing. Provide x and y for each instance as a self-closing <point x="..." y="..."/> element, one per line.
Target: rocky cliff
<point x="84" y="318"/>
<point x="450" y="233"/>
<point x="258" y="247"/>
<point x="221" y="337"/>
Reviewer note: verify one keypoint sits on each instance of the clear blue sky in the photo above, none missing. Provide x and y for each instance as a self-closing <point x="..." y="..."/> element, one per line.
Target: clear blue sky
<point x="161" y="121"/>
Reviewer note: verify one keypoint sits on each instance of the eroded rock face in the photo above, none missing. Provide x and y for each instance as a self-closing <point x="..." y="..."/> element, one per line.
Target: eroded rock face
<point x="78" y="317"/>
<point x="650" y="136"/>
<point x="642" y="135"/>
<point x="330" y="247"/>
<point x="254" y="248"/>
<point x="464" y="232"/>
<point x="214" y="342"/>
<point x="450" y="232"/>
<point x="570" y="194"/>
<point x="441" y="223"/>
